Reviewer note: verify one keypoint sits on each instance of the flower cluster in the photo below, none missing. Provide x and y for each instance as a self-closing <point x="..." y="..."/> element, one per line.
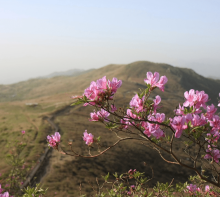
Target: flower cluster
<point x="5" y="194"/>
<point x="153" y="80"/>
<point x="88" y="138"/>
<point x="100" y="115"/>
<point x="194" y="190"/>
<point x="139" y="106"/>
<point x="101" y="90"/>
<point x="54" y="140"/>
<point x="191" y="116"/>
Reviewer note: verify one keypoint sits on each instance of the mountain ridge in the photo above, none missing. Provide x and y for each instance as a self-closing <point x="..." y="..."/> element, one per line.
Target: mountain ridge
<point x="133" y="74"/>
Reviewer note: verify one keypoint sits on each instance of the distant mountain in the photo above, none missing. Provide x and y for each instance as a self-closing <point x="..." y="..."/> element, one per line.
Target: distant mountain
<point x="71" y="72"/>
<point x="214" y="77"/>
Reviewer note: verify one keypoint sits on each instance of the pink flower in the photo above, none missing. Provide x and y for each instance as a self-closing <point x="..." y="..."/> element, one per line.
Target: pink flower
<point x="103" y="114"/>
<point x="99" y="90"/>
<point x="207" y="188"/>
<point x="101" y="84"/>
<point x="133" y="186"/>
<point x="88" y="138"/>
<point x="153" y="79"/>
<point x="163" y="80"/>
<point x="158" y="133"/>
<point x="137" y="103"/>
<point x="152" y="129"/>
<point x="215" y="154"/>
<point x="192" y="188"/>
<point x="94" y="116"/>
<point x="210" y="111"/>
<point x="201" y="98"/>
<point x="178" y="123"/>
<point x="23" y="132"/>
<point x="113" y="108"/>
<point x="160" y="117"/>
<point x="5" y="194"/>
<point x="92" y="91"/>
<point x="215" y="122"/>
<point x="131" y="171"/>
<point x="54" y="140"/>
<point x="197" y="121"/>
<point x="179" y="111"/>
<point x="157" y="100"/>
<point x="188" y="117"/>
<point x="190" y="98"/>
<point x="114" y="84"/>
<point x="130" y="115"/>
<point x="124" y="122"/>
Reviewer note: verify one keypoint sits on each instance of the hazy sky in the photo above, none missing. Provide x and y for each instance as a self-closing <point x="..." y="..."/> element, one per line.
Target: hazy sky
<point x="38" y="37"/>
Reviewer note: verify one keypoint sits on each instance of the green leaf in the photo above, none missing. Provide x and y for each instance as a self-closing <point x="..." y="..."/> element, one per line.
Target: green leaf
<point x="115" y="175"/>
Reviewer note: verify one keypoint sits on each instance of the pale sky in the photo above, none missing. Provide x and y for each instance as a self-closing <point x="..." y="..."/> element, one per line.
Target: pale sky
<point x="38" y="37"/>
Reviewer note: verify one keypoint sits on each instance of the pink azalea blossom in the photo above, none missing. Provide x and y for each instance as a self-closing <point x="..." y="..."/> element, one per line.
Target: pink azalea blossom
<point x="157" y="100"/>
<point x="188" y="117"/>
<point x="201" y="98"/>
<point x="54" y="140"/>
<point x="92" y="91"/>
<point x="23" y="132"/>
<point x="137" y="103"/>
<point x="101" y="88"/>
<point x="152" y="129"/>
<point x="88" y="138"/>
<point x="178" y="123"/>
<point x="114" y="85"/>
<point x="160" y="117"/>
<point x="215" y="154"/>
<point x="158" y="133"/>
<point x="190" y="98"/>
<point x="163" y="80"/>
<point x="125" y="123"/>
<point x="103" y="114"/>
<point x="113" y="108"/>
<point x="131" y="171"/>
<point x="210" y="111"/>
<point x="5" y="194"/>
<point x="215" y="122"/>
<point x="197" y="121"/>
<point x="207" y="188"/>
<point x="94" y="116"/>
<point x="101" y="84"/>
<point x="130" y="115"/>
<point x="192" y="188"/>
<point x="179" y="111"/>
<point x="153" y="80"/>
